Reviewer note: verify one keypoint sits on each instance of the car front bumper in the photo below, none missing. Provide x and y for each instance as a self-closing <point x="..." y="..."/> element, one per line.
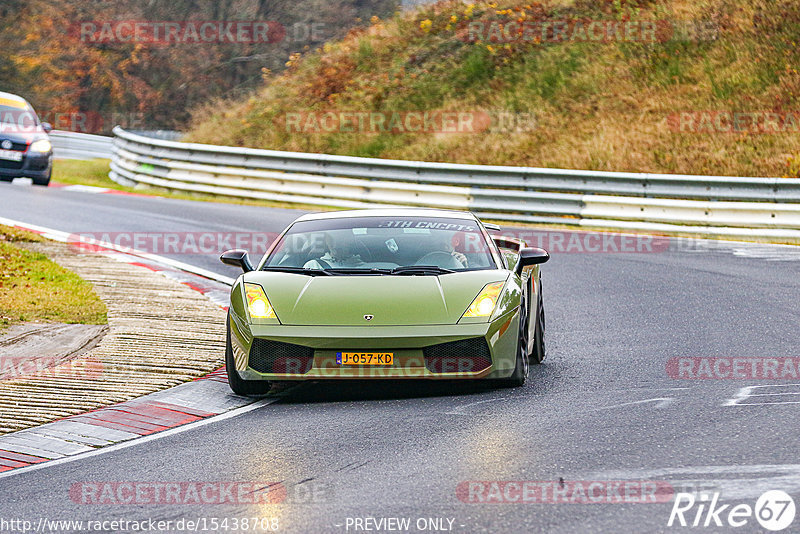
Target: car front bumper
<point x="33" y="165"/>
<point x="407" y="343"/>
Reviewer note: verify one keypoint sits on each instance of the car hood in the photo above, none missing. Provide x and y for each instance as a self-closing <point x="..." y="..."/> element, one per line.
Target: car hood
<point x="390" y="300"/>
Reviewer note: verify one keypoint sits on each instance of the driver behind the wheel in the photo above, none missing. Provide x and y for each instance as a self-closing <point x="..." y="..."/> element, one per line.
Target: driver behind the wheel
<point x="341" y="252"/>
<point x="448" y="243"/>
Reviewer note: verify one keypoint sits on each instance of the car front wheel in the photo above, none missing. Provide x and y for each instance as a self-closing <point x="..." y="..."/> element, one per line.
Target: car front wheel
<point x="521" y="368"/>
<point x="539" y="352"/>
<point x="44" y="182"/>
<point x="237" y="384"/>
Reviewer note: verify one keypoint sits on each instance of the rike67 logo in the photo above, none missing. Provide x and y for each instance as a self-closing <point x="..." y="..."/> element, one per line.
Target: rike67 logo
<point x="774" y="510"/>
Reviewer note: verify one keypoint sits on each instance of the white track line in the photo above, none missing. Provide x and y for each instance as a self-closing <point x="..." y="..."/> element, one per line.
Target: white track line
<point x="63" y="237"/>
<point x="144" y="439"/>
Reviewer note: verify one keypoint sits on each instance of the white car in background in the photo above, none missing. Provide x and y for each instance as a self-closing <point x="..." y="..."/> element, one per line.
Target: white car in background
<point x="25" y="149"/>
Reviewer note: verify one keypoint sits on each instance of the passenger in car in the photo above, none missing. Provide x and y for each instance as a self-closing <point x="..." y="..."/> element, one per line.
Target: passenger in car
<point x="342" y="252"/>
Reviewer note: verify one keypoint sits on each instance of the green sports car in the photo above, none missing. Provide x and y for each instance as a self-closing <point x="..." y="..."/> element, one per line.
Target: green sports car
<point x="385" y="293"/>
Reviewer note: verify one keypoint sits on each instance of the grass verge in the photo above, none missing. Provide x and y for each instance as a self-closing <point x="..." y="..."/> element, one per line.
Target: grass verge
<point x="33" y="288"/>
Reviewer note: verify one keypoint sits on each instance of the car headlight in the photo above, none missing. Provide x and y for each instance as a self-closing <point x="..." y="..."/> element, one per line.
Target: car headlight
<point x="258" y="305"/>
<point x="42" y="145"/>
<point x="485" y="302"/>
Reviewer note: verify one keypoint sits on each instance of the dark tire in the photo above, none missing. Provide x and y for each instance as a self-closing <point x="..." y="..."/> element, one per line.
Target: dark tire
<point x="539" y="352"/>
<point x="520" y="374"/>
<point x="6" y="178"/>
<point x="44" y="182"/>
<point x="237" y="384"/>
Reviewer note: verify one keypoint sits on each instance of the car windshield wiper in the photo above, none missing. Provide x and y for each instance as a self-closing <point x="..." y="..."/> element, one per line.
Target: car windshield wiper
<point x="421" y="269"/>
<point x="296" y="270"/>
<point x="356" y="270"/>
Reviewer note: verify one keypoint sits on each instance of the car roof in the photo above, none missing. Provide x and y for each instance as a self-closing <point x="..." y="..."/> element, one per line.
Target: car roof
<point x="389" y="212"/>
<point x="10" y="99"/>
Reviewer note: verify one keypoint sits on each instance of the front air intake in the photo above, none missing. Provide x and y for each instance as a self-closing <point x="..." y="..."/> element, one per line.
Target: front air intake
<point x="465" y="356"/>
<point x="268" y="356"/>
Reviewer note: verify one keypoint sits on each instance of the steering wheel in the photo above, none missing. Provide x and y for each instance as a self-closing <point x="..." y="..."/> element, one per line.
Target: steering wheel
<point x="440" y="259"/>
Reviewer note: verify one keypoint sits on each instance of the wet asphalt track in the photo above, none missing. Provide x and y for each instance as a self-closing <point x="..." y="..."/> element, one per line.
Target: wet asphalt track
<point x="602" y="407"/>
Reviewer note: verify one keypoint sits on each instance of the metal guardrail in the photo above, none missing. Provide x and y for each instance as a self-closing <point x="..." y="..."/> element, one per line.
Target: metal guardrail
<point x="711" y="205"/>
<point x="74" y="145"/>
<point x="167" y="135"/>
<point x="77" y="145"/>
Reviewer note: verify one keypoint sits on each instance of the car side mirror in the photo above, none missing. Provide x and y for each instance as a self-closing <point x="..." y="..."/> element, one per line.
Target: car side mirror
<point x="510" y="243"/>
<point x="47" y="127"/>
<point x="238" y="258"/>
<point x="531" y="256"/>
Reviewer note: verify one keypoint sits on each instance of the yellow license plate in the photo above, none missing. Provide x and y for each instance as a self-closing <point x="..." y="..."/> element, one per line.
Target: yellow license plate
<point x="364" y="358"/>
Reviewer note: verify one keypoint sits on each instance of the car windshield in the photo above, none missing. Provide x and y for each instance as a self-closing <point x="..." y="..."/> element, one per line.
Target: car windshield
<point x="16" y="118"/>
<point x="394" y="245"/>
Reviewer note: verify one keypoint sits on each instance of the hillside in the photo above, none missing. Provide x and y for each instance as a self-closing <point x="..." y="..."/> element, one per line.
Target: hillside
<point x="677" y="86"/>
